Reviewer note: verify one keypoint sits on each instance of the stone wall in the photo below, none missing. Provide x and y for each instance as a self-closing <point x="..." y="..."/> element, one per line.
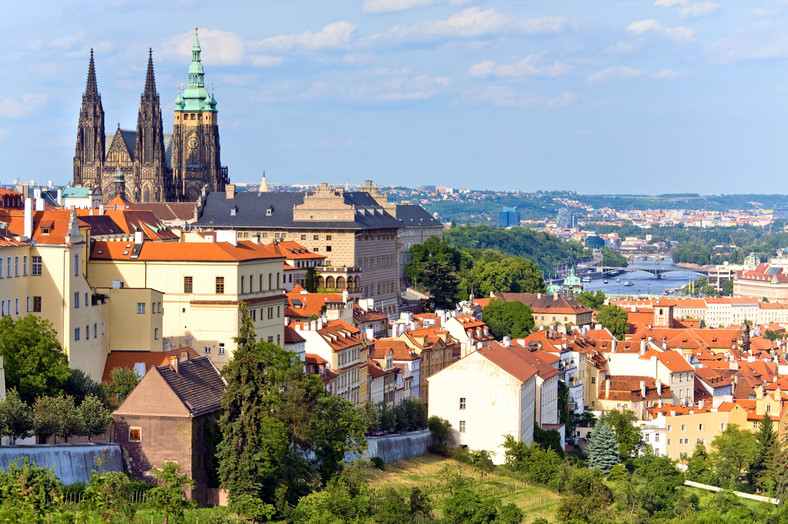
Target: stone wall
<point x="72" y="463"/>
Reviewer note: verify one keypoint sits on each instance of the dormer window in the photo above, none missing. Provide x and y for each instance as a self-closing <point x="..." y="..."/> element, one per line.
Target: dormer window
<point x="269" y="211"/>
<point x="45" y="230"/>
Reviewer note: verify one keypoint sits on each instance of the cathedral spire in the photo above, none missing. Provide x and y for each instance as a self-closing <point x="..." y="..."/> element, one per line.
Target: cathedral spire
<point x="150" y="79"/>
<point x="91" y="88"/>
<point x="196" y="72"/>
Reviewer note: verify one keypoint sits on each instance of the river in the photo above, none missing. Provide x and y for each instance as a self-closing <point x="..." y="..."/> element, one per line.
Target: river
<point x="644" y="283"/>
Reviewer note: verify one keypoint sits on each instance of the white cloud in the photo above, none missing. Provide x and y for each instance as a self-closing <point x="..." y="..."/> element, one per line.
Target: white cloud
<point x="610" y="74"/>
<point x="508" y="97"/>
<point x="395" y="6"/>
<point x="473" y="22"/>
<point x="689" y="9"/>
<point x="771" y="9"/>
<point x="218" y="47"/>
<point x="528" y="66"/>
<point x="22" y="106"/>
<point x="762" y="41"/>
<point x="67" y="41"/>
<point x="680" y="33"/>
<point x="265" y="60"/>
<point x="334" y="35"/>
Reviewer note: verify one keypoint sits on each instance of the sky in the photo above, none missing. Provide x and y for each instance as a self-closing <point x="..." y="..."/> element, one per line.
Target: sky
<point x="595" y="96"/>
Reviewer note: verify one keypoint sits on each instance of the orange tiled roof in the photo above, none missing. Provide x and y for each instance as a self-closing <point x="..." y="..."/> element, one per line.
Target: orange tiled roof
<point x="183" y="251"/>
<point x="302" y="304"/>
<point x="150" y="359"/>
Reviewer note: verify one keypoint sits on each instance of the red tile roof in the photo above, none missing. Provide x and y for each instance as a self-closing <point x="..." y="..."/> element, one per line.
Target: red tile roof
<point x="183" y="251"/>
<point x="150" y="359"/>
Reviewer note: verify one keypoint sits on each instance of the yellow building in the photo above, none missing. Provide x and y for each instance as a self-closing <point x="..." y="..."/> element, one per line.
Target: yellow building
<point x="134" y="318"/>
<point x="43" y="273"/>
<point x="203" y="284"/>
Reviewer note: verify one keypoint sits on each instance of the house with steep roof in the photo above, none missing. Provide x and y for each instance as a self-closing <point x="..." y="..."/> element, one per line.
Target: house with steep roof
<point x="437" y="349"/>
<point x="344" y="348"/>
<point x="487" y="395"/>
<point x="550" y="309"/>
<point x="168" y="417"/>
<point x="398" y="354"/>
<point x="470" y="332"/>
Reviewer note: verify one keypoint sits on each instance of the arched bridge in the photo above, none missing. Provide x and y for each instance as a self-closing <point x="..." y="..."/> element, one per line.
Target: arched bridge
<point x="656" y="271"/>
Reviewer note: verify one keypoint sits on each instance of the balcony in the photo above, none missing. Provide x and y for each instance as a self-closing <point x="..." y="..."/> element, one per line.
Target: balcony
<point x="336" y="279"/>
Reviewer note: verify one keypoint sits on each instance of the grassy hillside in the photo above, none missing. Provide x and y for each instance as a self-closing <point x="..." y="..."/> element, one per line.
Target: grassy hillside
<point x="433" y="473"/>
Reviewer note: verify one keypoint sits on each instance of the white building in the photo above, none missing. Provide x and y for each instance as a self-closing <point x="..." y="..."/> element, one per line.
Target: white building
<point x="486" y="395"/>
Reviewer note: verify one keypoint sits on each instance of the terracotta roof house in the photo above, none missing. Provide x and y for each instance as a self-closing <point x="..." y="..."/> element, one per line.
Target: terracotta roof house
<point x="166" y="419"/>
<point x="550" y="309"/>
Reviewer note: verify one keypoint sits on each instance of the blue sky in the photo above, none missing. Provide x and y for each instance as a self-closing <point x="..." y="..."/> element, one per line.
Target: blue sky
<point x="597" y="96"/>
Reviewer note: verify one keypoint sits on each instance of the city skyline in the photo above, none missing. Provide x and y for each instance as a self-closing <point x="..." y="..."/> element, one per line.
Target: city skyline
<point x="618" y="97"/>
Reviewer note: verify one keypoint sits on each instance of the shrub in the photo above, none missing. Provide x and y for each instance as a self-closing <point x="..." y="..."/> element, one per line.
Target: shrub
<point x="378" y="463"/>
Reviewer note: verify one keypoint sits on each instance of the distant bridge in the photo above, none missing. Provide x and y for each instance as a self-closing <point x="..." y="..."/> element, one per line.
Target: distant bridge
<point x="656" y="271"/>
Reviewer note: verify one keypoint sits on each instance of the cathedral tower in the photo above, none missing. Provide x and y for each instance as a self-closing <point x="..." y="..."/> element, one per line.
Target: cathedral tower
<point x="151" y="183"/>
<point x="89" y="153"/>
<point x="195" y="142"/>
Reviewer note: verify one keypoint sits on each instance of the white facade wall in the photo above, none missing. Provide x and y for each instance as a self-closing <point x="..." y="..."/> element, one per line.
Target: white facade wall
<point x="631" y="364"/>
<point x="496" y="404"/>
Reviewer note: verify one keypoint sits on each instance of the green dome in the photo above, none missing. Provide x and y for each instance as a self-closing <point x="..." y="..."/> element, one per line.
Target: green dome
<point x="572" y="279"/>
<point x="195" y="97"/>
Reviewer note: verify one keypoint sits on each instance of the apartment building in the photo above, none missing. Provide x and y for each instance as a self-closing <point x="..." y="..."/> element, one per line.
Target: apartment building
<point x="203" y="284"/>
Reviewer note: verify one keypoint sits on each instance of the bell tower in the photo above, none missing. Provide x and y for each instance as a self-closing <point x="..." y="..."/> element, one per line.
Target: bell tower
<point x="89" y="153"/>
<point x="195" y="154"/>
<point x="153" y="185"/>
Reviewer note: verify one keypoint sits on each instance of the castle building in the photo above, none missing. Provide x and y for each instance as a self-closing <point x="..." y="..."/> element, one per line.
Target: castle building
<point x="155" y="167"/>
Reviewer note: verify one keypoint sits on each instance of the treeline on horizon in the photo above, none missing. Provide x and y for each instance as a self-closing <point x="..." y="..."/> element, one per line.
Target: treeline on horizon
<point x="541" y="205"/>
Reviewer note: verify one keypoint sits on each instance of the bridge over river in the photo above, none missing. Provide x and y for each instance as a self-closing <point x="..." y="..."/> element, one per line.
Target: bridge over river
<point x="656" y="267"/>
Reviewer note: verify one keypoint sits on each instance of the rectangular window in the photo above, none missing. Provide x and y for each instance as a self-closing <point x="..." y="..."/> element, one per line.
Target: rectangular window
<point x="155" y="333"/>
<point x="462" y="426"/>
<point x="315" y="237"/>
<point x="76" y="334"/>
<point x="328" y="237"/>
<point x="37" y="266"/>
<point x="76" y="265"/>
<point x="187" y="284"/>
<point x="102" y="329"/>
<point x="8" y="267"/>
<point x="16" y="305"/>
<point x="140" y="308"/>
<point x="36" y="304"/>
<point x="271" y="339"/>
<point x="303" y="237"/>
<point x="87" y="302"/>
<point x="219" y="285"/>
<point x="135" y="434"/>
<point x="76" y="300"/>
<point x="670" y="427"/>
<point x="270" y="277"/>
<point x="24" y="266"/>
<point x="16" y="266"/>
<point x="95" y="330"/>
<point x="87" y="332"/>
<point x="221" y="348"/>
<point x="462" y="402"/>
<point x="328" y="248"/>
<point x="700" y="427"/>
<point x="683" y="427"/>
<point x="243" y="284"/>
<point x="647" y="437"/>
<point x="28" y="305"/>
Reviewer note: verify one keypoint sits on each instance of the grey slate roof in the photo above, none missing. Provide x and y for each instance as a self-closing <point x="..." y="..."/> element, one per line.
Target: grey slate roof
<point x="412" y="215"/>
<point x="251" y="212"/>
<point x="130" y="139"/>
<point x="197" y="383"/>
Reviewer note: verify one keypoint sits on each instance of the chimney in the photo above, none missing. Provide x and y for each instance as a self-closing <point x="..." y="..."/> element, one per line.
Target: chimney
<point x="642" y="347"/>
<point x="555" y="297"/>
<point x="230" y="190"/>
<point x="659" y="389"/>
<point x="174" y="363"/>
<point x="319" y="324"/>
<point x="607" y="388"/>
<point x="370" y="334"/>
<point x="733" y="385"/>
<point x="39" y="204"/>
<point x="538" y="295"/>
<point x="700" y="404"/>
<point x="643" y="388"/>
<point x="28" y="231"/>
<point x="613" y="345"/>
<point x="506" y="342"/>
<point x="138" y="237"/>
<point x="59" y="197"/>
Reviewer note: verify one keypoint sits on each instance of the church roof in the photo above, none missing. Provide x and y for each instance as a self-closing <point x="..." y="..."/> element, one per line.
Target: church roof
<point x="250" y="210"/>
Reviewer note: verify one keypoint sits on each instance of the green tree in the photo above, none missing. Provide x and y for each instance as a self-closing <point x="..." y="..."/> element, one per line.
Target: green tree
<point x="169" y="497"/>
<point x="95" y="416"/>
<point x="768" y="452"/>
<point x="442" y="284"/>
<point x="467" y="505"/>
<point x="341" y="501"/>
<point x="392" y="505"/>
<point x="588" y="498"/>
<point x="15" y="416"/>
<point x="123" y="382"/>
<point x="33" y="359"/>
<point x="727" y="288"/>
<point x="699" y="466"/>
<point x="590" y="299"/>
<point x="771" y="335"/>
<point x="513" y="319"/>
<point x="602" y="450"/>
<point x="499" y="273"/>
<point x="628" y="435"/>
<point x="440" y="429"/>
<point x="612" y="258"/>
<point x="46" y="417"/>
<point x="108" y="497"/>
<point x="283" y="434"/>
<point x="311" y="280"/>
<point x="70" y="421"/>
<point x="735" y="451"/>
<point x="29" y="493"/>
<point x="614" y="319"/>
<point x="79" y="385"/>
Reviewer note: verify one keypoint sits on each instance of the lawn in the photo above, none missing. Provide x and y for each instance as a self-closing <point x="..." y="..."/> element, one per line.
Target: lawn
<point x="432" y="472"/>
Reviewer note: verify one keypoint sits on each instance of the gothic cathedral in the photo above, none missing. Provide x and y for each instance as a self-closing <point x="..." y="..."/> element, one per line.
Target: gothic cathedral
<point x="152" y="166"/>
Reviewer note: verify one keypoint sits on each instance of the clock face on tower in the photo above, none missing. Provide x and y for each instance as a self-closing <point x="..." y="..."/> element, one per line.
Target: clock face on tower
<point x="193" y="142"/>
